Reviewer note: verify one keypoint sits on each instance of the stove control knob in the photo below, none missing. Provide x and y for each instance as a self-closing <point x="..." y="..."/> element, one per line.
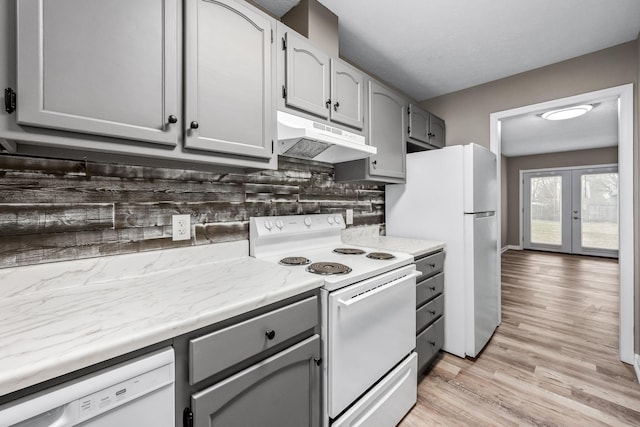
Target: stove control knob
<point x="307" y="221"/>
<point x="268" y="225"/>
<point x="338" y="219"/>
<point x="279" y="224"/>
<point x="330" y="220"/>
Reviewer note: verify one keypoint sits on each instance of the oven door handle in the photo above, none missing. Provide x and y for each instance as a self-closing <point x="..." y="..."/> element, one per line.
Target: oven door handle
<point x="352" y="301"/>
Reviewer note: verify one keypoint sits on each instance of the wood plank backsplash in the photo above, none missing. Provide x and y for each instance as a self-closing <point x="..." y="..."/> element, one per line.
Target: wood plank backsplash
<point x="54" y="210"/>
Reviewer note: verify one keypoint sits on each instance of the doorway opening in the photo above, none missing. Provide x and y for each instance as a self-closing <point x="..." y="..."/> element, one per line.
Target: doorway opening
<point x="624" y="103"/>
<point x="573" y="210"/>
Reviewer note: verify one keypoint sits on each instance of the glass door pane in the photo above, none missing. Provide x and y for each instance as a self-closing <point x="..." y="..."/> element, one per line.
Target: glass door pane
<point x="595" y="211"/>
<point x="546" y="210"/>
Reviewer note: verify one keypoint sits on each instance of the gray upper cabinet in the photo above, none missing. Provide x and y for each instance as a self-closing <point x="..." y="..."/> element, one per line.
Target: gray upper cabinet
<point x="418" y="124"/>
<point x="228" y="78"/>
<point x="89" y="67"/>
<point x="387" y="123"/>
<point x="437" y="131"/>
<point x="347" y="94"/>
<point x="318" y="85"/>
<point x="424" y="128"/>
<point x="307" y="76"/>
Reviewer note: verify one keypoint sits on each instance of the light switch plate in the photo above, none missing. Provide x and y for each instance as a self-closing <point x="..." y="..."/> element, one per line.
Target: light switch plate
<point x="349" y="219"/>
<point x="181" y="225"/>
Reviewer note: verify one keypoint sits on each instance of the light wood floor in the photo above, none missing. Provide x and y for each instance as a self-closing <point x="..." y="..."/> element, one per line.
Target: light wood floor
<point x="552" y="362"/>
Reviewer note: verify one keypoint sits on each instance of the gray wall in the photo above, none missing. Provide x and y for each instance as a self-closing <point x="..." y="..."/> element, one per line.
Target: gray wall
<point x="53" y="210"/>
<point x="467" y="111"/>
<point x="597" y="156"/>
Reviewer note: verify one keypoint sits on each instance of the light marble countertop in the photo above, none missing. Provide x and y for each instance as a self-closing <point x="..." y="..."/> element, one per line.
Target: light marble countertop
<point x="58" y="318"/>
<point x="370" y="236"/>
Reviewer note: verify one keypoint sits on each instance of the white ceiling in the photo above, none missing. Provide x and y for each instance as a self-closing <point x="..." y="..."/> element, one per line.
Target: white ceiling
<point x="429" y="48"/>
<point x="531" y="134"/>
<point x="432" y="47"/>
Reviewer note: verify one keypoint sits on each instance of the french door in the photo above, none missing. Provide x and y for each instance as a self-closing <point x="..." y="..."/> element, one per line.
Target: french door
<point x="572" y="211"/>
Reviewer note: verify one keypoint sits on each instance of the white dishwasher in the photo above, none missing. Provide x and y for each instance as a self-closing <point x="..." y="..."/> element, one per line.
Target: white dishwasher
<point x="136" y="393"/>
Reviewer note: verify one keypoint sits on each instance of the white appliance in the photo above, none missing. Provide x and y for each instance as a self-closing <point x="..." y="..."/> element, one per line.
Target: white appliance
<point x="367" y="317"/>
<point x="138" y="393"/>
<point x="450" y="195"/>
<point x="304" y="138"/>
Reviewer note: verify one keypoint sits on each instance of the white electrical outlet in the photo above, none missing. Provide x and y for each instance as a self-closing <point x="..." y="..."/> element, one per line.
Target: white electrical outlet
<point x="181" y="225"/>
<point x="349" y="220"/>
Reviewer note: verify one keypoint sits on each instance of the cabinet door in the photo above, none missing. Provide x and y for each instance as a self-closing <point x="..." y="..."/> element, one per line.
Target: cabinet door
<point x="105" y="68"/>
<point x="347" y="94"/>
<point x="280" y="391"/>
<point x="306" y="76"/>
<point x="418" y="124"/>
<point x="437" y="131"/>
<point x="387" y="112"/>
<point x="228" y="78"/>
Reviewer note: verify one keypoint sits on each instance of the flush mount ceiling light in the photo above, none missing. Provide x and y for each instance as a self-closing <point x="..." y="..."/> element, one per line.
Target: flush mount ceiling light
<point x="567" y="113"/>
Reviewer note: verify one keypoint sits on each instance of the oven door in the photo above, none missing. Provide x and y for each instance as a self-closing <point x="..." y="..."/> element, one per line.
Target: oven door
<point x="371" y="328"/>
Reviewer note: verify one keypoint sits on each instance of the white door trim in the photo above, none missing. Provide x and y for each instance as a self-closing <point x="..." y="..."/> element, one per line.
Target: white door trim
<point x="624" y="93"/>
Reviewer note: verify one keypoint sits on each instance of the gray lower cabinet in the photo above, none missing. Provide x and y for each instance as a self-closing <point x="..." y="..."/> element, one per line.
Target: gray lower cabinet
<point x="228" y="78"/>
<point x="425" y="131"/>
<point x="387" y="123"/>
<point x="87" y="66"/>
<point x="429" y="308"/>
<point x="262" y="369"/>
<point x="280" y="391"/>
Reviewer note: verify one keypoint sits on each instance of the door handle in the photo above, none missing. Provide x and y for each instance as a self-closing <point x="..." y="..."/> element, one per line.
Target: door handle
<point x="576" y="217"/>
<point x="370" y="293"/>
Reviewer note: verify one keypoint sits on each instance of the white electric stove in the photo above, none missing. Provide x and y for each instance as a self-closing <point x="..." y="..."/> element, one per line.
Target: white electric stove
<point x="368" y="315"/>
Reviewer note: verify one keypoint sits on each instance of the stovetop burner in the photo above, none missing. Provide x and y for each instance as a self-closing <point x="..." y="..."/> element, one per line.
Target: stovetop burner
<point x="294" y="260"/>
<point x="348" y="251"/>
<point x="328" y="268"/>
<point x="380" y="255"/>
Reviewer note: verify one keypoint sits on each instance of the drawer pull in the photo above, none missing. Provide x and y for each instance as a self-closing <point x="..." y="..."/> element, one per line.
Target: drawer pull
<point x="433" y="312"/>
<point x="318" y="361"/>
<point x="433" y="288"/>
<point x="270" y="334"/>
<point x="432" y="265"/>
<point x="433" y="343"/>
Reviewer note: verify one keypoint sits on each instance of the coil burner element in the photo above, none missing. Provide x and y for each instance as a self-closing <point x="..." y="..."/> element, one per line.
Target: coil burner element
<point x="380" y="255"/>
<point x="294" y="260"/>
<point x="348" y="251"/>
<point x="328" y="268"/>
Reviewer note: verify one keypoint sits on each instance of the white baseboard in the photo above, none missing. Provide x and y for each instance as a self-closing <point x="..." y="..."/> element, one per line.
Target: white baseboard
<point x="508" y="247"/>
<point x="636" y="365"/>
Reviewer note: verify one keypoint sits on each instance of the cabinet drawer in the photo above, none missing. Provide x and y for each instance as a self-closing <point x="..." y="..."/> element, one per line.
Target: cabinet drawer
<point x="429" y="288"/>
<point x="211" y="353"/>
<point x="429" y="312"/>
<point x="429" y="342"/>
<point x="430" y="265"/>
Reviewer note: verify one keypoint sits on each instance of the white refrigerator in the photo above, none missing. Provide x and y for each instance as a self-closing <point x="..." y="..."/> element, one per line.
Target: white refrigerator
<point x="450" y="195"/>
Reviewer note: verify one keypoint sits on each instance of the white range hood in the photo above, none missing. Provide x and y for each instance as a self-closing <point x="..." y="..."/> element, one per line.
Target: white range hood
<point x="306" y="139"/>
